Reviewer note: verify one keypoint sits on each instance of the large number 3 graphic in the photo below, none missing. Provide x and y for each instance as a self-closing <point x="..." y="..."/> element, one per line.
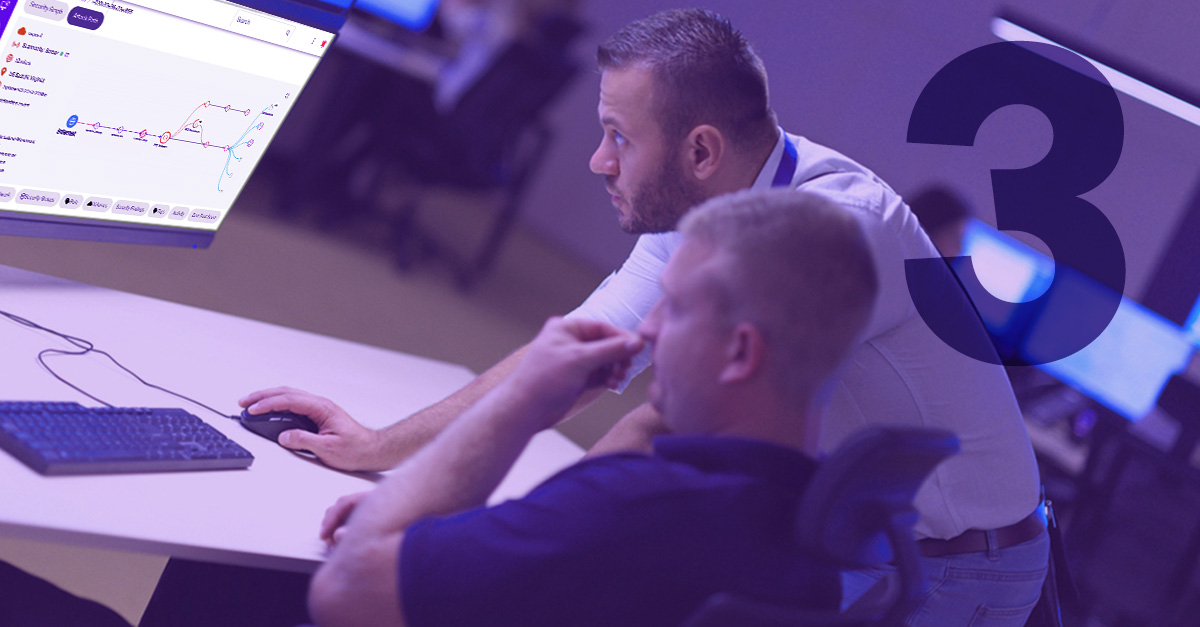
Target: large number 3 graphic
<point x="1043" y="199"/>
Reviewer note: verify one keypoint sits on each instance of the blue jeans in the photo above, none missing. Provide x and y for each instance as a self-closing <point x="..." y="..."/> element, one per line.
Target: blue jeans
<point x="996" y="587"/>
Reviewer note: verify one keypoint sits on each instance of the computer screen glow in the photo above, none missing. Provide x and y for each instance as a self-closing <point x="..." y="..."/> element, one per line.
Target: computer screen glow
<point x="1126" y="367"/>
<point x="411" y="14"/>
<point x="1009" y="270"/>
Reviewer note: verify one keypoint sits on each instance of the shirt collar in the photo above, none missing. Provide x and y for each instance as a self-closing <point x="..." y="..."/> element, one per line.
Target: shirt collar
<point x="766" y="176"/>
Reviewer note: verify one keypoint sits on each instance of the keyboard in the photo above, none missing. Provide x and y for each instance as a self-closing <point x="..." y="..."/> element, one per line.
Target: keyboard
<point x="60" y="438"/>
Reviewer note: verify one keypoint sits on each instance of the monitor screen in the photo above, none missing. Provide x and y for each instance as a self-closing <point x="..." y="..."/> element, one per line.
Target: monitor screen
<point x="411" y="14"/>
<point x="1192" y="324"/>
<point x="141" y="122"/>
<point x="1010" y="271"/>
<point x="1126" y="367"/>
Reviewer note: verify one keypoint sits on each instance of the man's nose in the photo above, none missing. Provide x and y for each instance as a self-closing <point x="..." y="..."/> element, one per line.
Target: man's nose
<point x="602" y="161"/>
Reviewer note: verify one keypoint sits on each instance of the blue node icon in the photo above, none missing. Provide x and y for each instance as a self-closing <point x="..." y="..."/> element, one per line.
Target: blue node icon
<point x="72" y="121"/>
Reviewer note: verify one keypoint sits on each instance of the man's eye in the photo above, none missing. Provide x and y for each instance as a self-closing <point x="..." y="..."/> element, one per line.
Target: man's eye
<point x="619" y="138"/>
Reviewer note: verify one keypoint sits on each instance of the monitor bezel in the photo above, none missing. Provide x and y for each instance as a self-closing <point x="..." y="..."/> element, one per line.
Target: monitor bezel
<point x="89" y="230"/>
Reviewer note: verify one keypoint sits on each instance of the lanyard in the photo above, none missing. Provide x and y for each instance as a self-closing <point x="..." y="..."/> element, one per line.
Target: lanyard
<point x="787" y="164"/>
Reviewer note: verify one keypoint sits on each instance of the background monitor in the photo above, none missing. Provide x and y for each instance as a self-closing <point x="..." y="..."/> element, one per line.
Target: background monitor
<point x="1157" y="172"/>
<point x="1192" y="325"/>
<point x="411" y="14"/>
<point x="142" y="122"/>
<point x="1126" y="367"/>
<point x="1009" y="270"/>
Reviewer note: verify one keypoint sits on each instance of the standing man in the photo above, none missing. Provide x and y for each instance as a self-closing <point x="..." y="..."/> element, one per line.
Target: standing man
<point x="685" y="116"/>
<point x="632" y="539"/>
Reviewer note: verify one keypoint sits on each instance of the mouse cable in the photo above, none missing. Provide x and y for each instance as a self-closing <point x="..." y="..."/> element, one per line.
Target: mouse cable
<point x="85" y="347"/>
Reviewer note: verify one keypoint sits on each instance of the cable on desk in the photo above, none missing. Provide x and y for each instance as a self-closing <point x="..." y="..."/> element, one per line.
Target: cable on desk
<point x="85" y="347"/>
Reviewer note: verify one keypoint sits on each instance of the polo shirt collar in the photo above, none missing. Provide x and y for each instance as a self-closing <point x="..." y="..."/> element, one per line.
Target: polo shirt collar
<point x="770" y="169"/>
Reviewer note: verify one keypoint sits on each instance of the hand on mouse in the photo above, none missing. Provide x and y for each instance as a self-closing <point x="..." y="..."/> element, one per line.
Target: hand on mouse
<point x="333" y="526"/>
<point x="341" y="442"/>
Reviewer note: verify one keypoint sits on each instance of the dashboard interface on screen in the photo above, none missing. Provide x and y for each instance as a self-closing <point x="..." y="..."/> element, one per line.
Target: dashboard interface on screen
<point x="151" y="113"/>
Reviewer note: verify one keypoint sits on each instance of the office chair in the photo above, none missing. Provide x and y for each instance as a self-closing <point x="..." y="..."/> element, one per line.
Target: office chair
<point x="381" y="132"/>
<point x="493" y="140"/>
<point x="1117" y="459"/>
<point x="857" y="512"/>
<point x="1180" y="398"/>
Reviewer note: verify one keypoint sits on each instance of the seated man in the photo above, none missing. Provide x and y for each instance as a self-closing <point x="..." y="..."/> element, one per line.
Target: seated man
<point x="686" y="116"/>
<point x="762" y="301"/>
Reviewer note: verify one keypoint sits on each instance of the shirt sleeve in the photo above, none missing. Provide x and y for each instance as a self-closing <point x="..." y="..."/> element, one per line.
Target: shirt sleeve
<point x="626" y="296"/>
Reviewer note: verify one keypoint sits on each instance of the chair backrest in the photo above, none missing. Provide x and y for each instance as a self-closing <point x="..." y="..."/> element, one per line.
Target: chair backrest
<point x="871" y="479"/>
<point x="856" y="512"/>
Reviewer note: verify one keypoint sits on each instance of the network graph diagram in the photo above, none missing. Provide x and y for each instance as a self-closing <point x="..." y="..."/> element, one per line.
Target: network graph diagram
<point x="194" y="131"/>
<point x="188" y="133"/>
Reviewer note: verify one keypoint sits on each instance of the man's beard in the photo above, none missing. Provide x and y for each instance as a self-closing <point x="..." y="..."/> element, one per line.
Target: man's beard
<point x="656" y="205"/>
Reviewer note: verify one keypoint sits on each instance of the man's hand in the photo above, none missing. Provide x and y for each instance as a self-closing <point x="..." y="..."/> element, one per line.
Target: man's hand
<point x="333" y="527"/>
<point x="340" y="441"/>
<point x="569" y="357"/>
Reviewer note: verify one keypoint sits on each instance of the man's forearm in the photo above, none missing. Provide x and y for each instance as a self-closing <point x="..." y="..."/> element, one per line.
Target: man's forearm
<point x="633" y="432"/>
<point x="459" y="468"/>
<point x="455" y="472"/>
<point x="404" y="438"/>
<point x="466" y="461"/>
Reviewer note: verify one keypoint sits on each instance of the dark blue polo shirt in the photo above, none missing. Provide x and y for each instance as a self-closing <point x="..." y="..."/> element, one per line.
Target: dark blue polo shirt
<point x="624" y="539"/>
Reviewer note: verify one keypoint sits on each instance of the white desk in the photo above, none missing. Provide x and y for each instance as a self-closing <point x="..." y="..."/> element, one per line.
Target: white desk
<point x="267" y="515"/>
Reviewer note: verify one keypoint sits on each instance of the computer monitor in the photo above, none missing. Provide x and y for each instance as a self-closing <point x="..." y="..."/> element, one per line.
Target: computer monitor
<point x="1126" y="367"/>
<point x="411" y="14"/>
<point x="1191" y="326"/>
<point x="1161" y="143"/>
<point x="141" y="121"/>
<point x="1012" y="272"/>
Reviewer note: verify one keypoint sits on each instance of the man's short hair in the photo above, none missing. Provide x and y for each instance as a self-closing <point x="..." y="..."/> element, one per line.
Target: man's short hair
<point x="799" y="268"/>
<point x="705" y="72"/>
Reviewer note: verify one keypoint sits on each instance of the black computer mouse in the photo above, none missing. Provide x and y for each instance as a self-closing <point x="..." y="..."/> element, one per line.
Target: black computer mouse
<point x="270" y="424"/>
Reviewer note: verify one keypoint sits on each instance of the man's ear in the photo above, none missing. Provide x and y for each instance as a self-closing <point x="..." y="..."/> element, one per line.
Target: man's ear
<point x="745" y="354"/>
<point x="704" y="149"/>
